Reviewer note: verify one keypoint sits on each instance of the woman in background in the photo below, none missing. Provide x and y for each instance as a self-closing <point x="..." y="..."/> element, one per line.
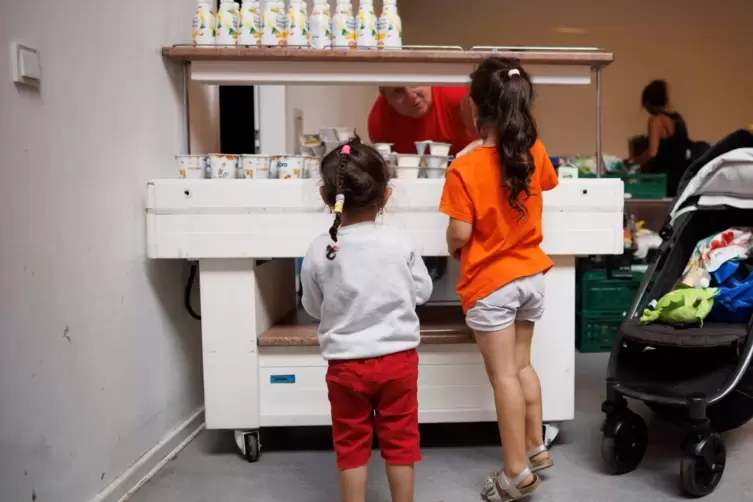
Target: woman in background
<point x="670" y="149"/>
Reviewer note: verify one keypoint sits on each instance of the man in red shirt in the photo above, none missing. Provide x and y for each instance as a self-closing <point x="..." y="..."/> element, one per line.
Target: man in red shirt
<point x="404" y="115"/>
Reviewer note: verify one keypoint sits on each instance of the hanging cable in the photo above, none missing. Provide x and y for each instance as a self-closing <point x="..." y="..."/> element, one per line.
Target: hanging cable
<point x="189" y="287"/>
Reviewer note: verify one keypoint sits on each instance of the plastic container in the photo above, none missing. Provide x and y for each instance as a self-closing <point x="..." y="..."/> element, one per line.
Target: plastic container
<point x="191" y="167"/>
<point x="436" y="161"/>
<point x="228" y="21"/>
<point x="223" y="167"/>
<point x="344" y="133"/>
<point x="250" y="24"/>
<point x="320" y="24"/>
<point x="390" y="27"/>
<point x="421" y="147"/>
<point x="596" y="331"/>
<point x="289" y="167"/>
<point x="367" y="25"/>
<point x="298" y="25"/>
<point x="344" y="26"/>
<point x="407" y="172"/>
<point x="203" y="24"/>
<point x="442" y="149"/>
<point x="409" y="160"/>
<point x="274" y="22"/>
<point x="599" y="293"/>
<point x="256" y="167"/>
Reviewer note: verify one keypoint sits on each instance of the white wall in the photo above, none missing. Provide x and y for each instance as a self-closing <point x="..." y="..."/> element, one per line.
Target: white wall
<point x="98" y="360"/>
<point x="703" y="49"/>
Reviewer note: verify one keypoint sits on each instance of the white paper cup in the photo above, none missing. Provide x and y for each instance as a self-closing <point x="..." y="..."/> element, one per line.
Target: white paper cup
<point x="408" y="160"/>
<point x="441" y="149"/>
<point x="223" y="167"/>
<point x="290" y="167"/>
<point x="192" y="167"/>
<point x="436" y="161"/>
<point x="407" y="172"/>
<point x="256" y="167"/>
<point x="421" y="147"/>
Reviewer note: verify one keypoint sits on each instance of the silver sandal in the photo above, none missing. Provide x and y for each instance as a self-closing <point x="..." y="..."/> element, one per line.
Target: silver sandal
<point x="539" y="465"/>
<point x="504" y="489"/>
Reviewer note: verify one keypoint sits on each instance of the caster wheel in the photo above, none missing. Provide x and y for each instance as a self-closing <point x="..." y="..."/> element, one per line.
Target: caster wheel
<point x="551" y="433"/>
<point x="702" y="470"/>
<point x="248" y="445"/>
<point x="624" y="443"/>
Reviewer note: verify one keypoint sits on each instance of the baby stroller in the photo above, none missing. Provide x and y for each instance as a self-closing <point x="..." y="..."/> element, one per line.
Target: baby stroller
<point x="699" y="377"/>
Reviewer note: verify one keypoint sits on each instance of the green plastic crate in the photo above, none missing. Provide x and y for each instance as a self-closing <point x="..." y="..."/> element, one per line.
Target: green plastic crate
<point x="640" y="186"/>
<point x="596" y="331"/>
<point x="598" y="293"/>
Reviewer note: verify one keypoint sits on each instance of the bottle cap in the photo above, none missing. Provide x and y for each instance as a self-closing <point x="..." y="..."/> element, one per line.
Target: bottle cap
<point x="389" y="2"/>
<point x="366" y="2"/>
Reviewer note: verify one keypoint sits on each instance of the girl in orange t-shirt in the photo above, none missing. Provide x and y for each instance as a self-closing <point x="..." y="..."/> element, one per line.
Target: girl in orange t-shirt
<point x="493" y="196"/>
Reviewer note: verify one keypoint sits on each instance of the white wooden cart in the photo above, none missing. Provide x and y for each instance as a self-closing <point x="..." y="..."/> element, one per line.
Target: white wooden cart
<point x="262" y="365"/>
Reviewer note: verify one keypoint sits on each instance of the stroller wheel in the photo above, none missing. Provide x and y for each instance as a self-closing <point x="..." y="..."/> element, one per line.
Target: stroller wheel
<point x="624" y="443"/>
<point x="701" y="469"/>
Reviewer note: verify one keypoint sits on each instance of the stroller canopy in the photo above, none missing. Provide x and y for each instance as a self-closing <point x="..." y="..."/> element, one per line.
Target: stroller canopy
<point x="723" y="177"/>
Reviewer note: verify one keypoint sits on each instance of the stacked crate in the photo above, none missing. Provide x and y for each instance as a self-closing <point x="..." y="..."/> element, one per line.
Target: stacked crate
<point x="602" y="303"/>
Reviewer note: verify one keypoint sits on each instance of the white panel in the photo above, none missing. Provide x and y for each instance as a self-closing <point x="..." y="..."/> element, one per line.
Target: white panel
<point x="453" y="386"/>
<point x="371" y="73"/>
<point x="228" y="325"/>
<point x="223" y="219"/>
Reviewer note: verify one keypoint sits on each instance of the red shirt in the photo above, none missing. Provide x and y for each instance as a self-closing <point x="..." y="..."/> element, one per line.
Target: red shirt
<point x="443" y="122"/>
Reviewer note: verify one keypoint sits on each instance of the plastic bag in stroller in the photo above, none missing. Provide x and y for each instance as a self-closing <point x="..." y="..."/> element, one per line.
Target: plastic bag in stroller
<point x="699" y="376"/>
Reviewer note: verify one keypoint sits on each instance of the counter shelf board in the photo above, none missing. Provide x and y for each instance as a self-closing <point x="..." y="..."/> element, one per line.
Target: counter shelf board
<point x="249" y="66"/>
<point x="439" y="326"/>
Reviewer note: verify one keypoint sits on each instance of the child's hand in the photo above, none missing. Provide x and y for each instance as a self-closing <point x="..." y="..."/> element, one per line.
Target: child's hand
<point x="457" y="253"/>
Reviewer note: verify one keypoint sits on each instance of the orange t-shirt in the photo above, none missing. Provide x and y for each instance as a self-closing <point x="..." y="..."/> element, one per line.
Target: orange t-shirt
<point x="502" y="248"/>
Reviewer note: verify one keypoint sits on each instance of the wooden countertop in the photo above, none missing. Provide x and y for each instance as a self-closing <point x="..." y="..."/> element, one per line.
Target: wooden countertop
<point x="439" y="326"/>
<point x="594" y="59"/>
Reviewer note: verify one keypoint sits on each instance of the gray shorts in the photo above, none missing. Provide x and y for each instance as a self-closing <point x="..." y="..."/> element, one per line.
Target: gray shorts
<point x="520" y="300"/>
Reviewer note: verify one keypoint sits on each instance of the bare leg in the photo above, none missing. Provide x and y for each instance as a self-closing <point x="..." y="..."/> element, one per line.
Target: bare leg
<point x="353" y="484"/>
<point x="498" y="350"/>
<point x="401" y="479"/>
<point x="529" y="381"/>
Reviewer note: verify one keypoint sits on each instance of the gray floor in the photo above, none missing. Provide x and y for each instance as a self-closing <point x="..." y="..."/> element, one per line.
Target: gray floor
<point x="208" y="470"/>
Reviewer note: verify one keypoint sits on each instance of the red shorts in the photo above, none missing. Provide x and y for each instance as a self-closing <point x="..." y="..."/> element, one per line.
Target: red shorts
<point x="381" y="394"/>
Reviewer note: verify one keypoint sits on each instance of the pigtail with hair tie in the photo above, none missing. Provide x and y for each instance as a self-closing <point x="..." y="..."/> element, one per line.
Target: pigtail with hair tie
<point x="332" y="249"/>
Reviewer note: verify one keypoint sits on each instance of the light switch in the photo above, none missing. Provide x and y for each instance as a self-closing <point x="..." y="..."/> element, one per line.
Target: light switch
<point x="26" y="67"/>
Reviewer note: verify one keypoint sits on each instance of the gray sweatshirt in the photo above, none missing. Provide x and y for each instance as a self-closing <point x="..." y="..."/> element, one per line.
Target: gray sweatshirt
<point x="366" y="297"/>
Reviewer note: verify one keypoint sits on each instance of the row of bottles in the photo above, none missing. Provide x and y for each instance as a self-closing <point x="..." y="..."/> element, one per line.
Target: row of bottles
<point x="274" y="26"/>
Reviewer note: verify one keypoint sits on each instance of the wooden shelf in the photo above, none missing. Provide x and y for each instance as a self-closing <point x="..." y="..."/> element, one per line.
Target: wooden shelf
<point x="591" y="58"/>
<point x="439" y="326"/>
<point x="247" y="66"/>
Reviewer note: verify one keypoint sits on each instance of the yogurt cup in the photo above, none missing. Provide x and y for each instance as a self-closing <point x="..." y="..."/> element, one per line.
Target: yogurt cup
<point x="384" y="149"/>
<point x="436" y="161"/>
<point x="421" y="147"/>
<point x="408" y="160"/>
<point x="223" y="167"/>
<point x="290" y="167"/>
<point x="442" y="149"/>
<point x="192" y="167"/>
<point x="312" y="167"/>
<point x="256" y="167"/>
<point x="407" y="172"/>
